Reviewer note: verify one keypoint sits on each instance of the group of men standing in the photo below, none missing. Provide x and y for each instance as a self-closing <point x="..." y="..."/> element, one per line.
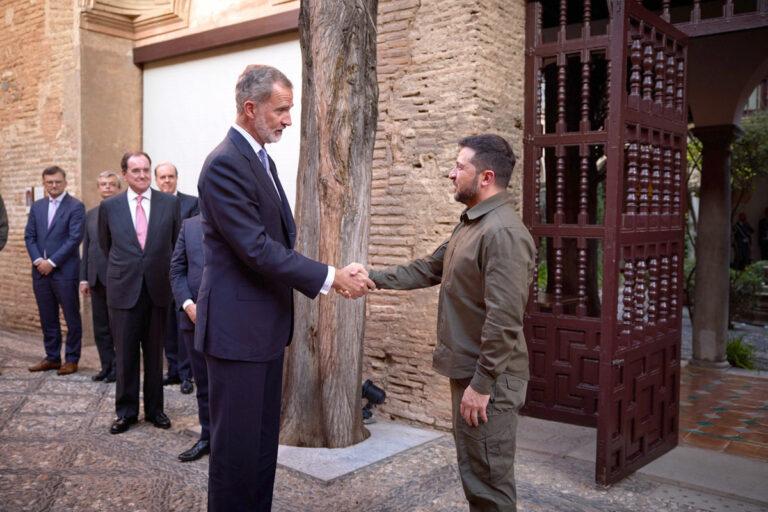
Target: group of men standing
<point x="128" y="243"/>
<point x="233" y="273"/>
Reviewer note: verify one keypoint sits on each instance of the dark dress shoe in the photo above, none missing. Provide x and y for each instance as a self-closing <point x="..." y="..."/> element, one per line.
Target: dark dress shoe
<point x="100" y="376"/>
<point x="160" y="420"/>
<point x="67" y="368"/>
<point x="187" y="387"/>
<point x="197" y="451"/>
<point x="111" y="377"/>
<point x="120" y="425"/>
<point x="44" y="366"/>
<point x="168" y="380"/>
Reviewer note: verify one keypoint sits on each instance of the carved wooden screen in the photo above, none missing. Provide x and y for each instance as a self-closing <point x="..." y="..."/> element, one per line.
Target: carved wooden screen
<point x="603" y="188"/>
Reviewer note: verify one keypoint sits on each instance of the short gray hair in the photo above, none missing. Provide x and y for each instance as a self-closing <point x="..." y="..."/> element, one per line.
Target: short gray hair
<point x="110" y="174"/>
<point x="256" y="83"/>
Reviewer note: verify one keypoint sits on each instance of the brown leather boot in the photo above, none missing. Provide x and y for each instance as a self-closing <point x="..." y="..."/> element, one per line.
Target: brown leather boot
<point x="44" y="366"/>
<point x="67" y="368"/>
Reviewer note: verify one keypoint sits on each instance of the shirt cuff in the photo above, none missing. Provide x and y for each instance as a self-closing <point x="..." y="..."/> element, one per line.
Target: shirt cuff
<point x="187" y="303"/>
<point x="328" y="280"/>
<point x="38" y="260"/>
<point x="83" y="282"/>
<point x="51" y="262"/>
<point x="481" y="383"/>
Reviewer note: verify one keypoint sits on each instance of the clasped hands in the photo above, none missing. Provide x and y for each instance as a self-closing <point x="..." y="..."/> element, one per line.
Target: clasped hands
<point x="352" y="281"/>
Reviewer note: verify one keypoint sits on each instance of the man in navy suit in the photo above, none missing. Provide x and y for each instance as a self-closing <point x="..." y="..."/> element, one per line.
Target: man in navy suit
<point x="137" y="232"/>
<point x="93" y="276"/>
<point x="186" y="273"/>
<point x="245" y="304"/>
<point x="53" y="235"/>
<point x="179" y="371"/>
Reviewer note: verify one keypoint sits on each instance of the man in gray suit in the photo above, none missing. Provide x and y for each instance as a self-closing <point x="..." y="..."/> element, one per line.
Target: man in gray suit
<point x="137" y="231"/>
<point x="93" y="278"/>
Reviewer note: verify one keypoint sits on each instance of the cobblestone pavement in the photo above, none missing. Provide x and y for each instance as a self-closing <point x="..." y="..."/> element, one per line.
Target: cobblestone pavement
<point x="56" y="455"/>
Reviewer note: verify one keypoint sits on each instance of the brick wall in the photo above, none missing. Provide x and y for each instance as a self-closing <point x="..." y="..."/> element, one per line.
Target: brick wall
<point x="446" y="69"/>
<point x="39" y="127"/>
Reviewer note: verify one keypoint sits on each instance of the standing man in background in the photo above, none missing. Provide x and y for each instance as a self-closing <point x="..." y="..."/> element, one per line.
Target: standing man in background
<point x="53" y="235"/>
<point x="186" y="273"/>
<point x="93" y="278"/>
<point x="245" y="304"/>
<point x="137" y="232"/>
<point x="485" y="268"/>
<point x="762" y="231"/>
<point x="179" y="371"/>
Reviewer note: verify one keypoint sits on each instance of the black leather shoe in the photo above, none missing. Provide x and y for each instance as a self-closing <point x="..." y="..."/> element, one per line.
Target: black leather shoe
<point x="187" y="387"/>
<point x="100" y="376"/>
<point x="160" y="420"/>
<point x="197" y="451"/>
<point x="120" y="425"/>
<point x="111" y="377"/>
<point x="168" y="380"/>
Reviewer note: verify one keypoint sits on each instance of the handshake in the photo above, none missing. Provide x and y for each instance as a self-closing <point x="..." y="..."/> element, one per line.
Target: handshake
<point x="352" y="281"/>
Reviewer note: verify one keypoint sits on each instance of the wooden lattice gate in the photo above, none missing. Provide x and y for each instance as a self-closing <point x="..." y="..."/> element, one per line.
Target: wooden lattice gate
<point x="604" y="182"/>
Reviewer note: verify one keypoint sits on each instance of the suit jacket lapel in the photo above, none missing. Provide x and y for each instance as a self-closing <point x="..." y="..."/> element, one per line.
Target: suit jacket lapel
<point x="256" y="166"/>
<point x="285" y="208"/>
<point x="59" y="212"/>
<point x="155" y="217"/>
<point x="124" y="210"/>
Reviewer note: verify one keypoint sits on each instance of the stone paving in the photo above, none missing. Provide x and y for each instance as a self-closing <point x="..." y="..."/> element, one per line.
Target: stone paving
<point x="56" y="455"/>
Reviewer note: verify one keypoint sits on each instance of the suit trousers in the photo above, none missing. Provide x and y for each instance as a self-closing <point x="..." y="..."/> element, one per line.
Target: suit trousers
<point x="139" y="331"/>
<point x="50" y="294"/>
<point x="101" y="332"/>
<point x="245" y="426"/>
<point x="200" y="374"/>
<point x="175" y="350"/>
<point x="486" y="453"/>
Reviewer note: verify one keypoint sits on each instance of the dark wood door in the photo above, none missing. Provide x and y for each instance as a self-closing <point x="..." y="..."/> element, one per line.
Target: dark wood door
<point x="603" y="198"/>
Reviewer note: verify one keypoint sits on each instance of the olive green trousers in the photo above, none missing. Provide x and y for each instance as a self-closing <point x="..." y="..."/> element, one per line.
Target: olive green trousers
<point x="486" y="453"/>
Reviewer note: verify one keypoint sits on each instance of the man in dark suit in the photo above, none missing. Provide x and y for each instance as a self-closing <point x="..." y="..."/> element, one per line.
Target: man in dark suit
<point x="179" y="371"/>
<point x="93" y="276"/>
<point x="186" y="273"/>
<point x="137" y="232"/>
<point x="245" y="304"/>
<point x="53" y="234"/>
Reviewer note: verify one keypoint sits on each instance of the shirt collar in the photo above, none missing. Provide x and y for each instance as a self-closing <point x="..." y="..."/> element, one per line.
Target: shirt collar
<point x="59" y="199"/>
<point x="249" y="138"/>
<point x="147" y="194"/>
<point x="486" y="206"/>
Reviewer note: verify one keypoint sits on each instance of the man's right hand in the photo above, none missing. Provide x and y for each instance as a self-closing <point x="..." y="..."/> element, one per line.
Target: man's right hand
<point x="352" y="281"/>
<point x="191" y="311"/>
<point x="85" y="289"/>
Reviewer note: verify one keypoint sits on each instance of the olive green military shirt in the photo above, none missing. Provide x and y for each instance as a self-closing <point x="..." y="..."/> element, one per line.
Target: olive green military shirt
<point x="486" y="269"/>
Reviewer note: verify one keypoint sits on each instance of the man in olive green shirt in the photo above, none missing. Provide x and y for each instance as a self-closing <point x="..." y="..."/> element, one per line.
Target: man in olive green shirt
<point x="485" y="269"/>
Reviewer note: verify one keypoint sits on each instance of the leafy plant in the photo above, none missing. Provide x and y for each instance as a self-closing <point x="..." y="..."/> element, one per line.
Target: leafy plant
<point x="745" y="284"/>
<point x="749" y="159"/>
<point x="740" y="354"/>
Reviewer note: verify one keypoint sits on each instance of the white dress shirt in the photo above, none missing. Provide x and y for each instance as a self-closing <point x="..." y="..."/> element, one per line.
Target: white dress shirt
<point x="145" y="203"/>
<point x="256" y="148"/>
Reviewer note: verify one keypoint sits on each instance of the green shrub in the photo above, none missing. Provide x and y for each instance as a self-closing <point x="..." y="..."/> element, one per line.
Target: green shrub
<point x="740" y="354"/>
<point x="745" y="284"/>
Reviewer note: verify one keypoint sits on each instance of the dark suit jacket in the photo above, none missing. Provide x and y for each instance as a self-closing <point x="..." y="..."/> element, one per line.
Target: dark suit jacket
<point x="127" y="264"/>
<point x="188" y="205"/>
<point x="187" y="267"/>
<point x="60" y="243"/>
<point x="93" y="264"/>
<point x="245" y="304"/>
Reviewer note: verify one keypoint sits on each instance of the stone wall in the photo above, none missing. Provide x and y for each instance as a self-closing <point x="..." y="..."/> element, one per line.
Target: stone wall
<point x="39" y="127"/>
<point x="446" y="69"/>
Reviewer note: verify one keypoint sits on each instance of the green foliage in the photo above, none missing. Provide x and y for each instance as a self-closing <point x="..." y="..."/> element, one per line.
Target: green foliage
<point x="744" y="287"/>
<point x="740" y="354"/>
<point x="750" y="152"/>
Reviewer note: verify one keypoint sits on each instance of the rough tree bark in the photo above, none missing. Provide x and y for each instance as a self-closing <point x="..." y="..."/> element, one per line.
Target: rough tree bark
<point x="322" y="379"/>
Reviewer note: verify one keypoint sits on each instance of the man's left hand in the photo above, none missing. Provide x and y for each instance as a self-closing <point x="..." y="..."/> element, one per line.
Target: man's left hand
<point x="44" y="267"/>
<point x="473" y="407"/>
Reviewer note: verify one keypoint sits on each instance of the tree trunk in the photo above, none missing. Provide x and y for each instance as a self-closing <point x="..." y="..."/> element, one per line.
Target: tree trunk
<point x="322" y="385"/>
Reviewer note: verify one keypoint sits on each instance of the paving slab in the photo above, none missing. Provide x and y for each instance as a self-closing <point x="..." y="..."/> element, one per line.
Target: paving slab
<point x="387" y="439"/>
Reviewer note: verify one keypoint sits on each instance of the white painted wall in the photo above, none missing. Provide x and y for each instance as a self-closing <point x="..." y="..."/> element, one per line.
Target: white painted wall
<point x="189" y="104"/>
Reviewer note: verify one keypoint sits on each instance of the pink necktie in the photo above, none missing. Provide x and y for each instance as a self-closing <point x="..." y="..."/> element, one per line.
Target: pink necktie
<point x="141" y="222"/>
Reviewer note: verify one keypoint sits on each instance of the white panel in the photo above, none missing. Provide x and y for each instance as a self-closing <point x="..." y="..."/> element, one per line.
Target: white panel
<point x="189" y="104"/>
